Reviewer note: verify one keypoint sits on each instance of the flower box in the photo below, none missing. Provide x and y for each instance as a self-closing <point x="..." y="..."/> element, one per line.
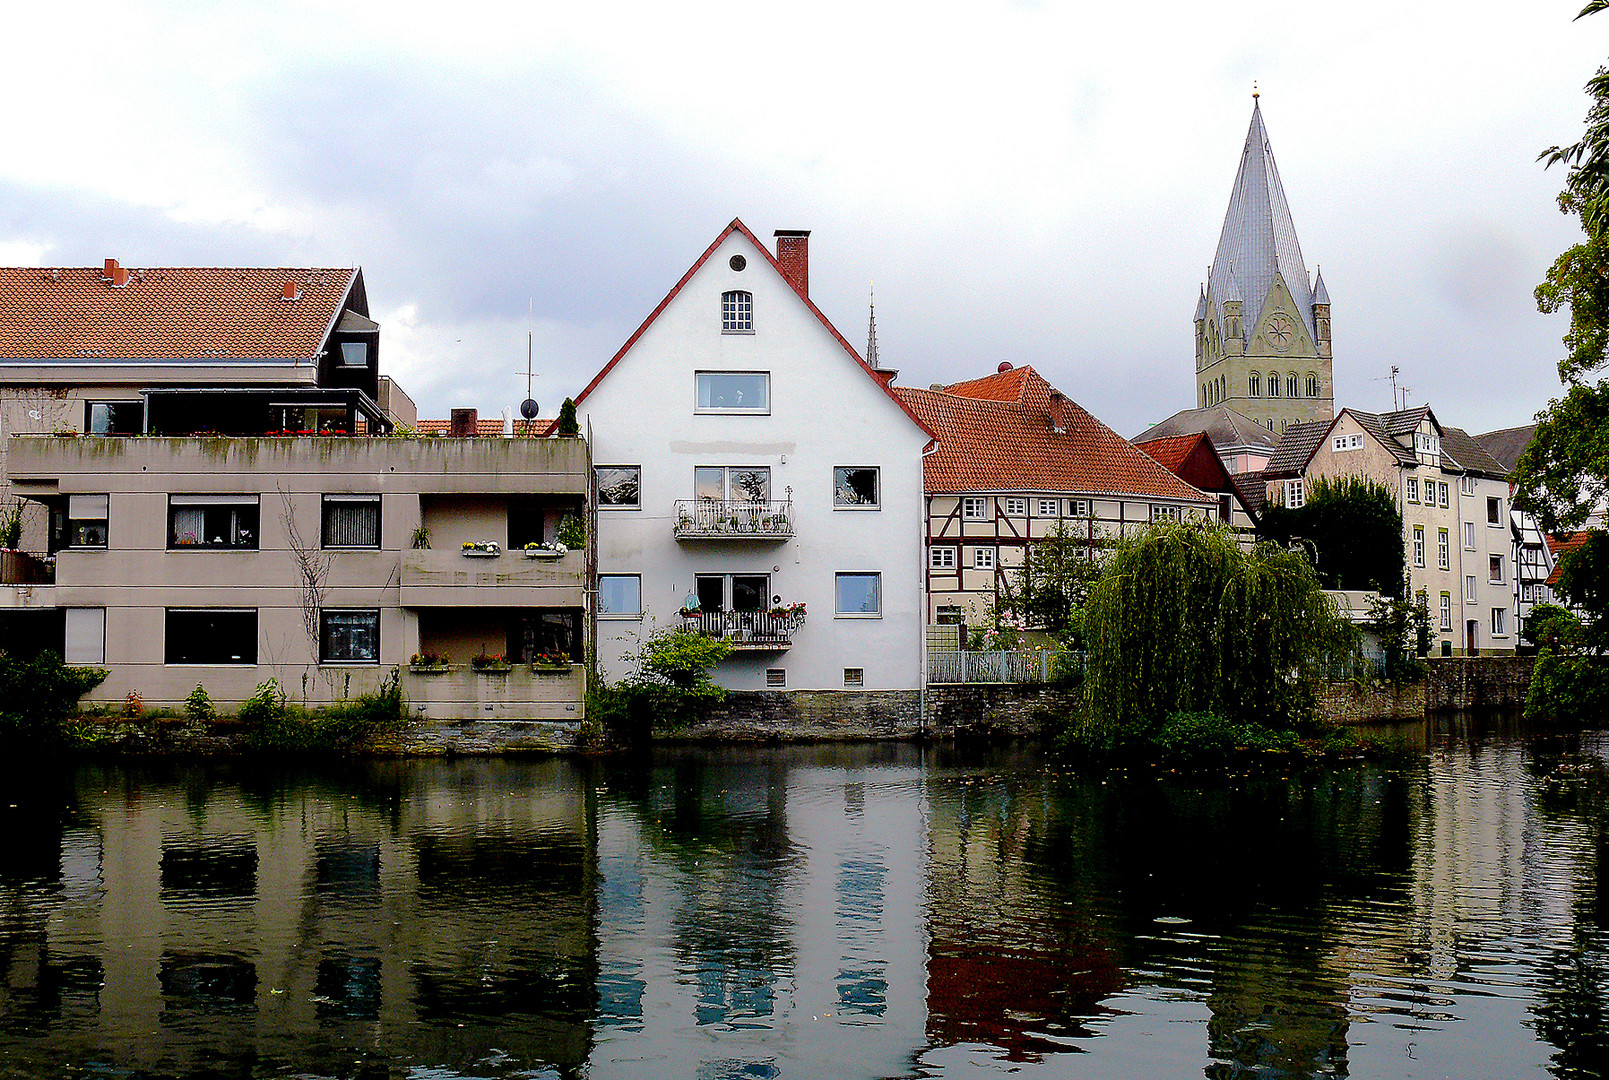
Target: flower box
<point x="551" y="669"/>
<point x="429" y="669"/>
<point x="493" y="669"/>
<point x="544" y="553"/>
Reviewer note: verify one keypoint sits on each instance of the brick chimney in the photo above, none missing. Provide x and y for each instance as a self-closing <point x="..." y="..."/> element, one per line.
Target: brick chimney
<point x="115" y="274"/>
<point x="1058" y="411"/>
<point x="793" y="252"/>
<point x="465" y="424"/>
<point x="292" y="291"/>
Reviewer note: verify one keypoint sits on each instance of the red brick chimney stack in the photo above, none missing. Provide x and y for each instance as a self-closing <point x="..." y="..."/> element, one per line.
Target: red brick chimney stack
<point x="465" y="424"/>
<point x="1058" y="411"/>
<point x="115" y="274"/>
<point x="793" y="252"/>
<point x="292" y="291"/>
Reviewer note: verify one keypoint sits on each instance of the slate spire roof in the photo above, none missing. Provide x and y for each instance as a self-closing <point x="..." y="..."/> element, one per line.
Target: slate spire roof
<point x="1259" y="238"/>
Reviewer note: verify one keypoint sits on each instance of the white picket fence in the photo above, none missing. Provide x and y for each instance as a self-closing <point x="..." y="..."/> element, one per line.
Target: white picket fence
<point x="1001" y="666"/>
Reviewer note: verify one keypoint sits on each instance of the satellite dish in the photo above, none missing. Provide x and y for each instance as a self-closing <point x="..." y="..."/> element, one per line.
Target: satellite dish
<point x="529" y="408"/>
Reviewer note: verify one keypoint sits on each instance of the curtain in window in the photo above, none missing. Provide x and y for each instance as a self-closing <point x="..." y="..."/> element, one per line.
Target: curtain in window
<point x="352" y="524"/>
<point x="189" y="525"/>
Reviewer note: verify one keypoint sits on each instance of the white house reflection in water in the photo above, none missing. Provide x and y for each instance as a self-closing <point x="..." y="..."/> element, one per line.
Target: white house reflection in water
<point x="844" y="912"/>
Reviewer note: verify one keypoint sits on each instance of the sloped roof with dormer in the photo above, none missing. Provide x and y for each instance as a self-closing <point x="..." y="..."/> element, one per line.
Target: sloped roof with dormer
<point x="204" y="313"/>
<point x="1258" y="241"/>
<point x="996" y="434"/>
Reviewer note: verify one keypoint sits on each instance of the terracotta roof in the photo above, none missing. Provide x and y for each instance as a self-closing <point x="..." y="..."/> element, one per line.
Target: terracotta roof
<point x="169" y="313"/>
<point x="881" y="379"/>
<point x="1001" y="386"/>
<point x="986" y="443"/>
<point x="1560" y="549"/>
<point x="486" y="426"/>
<point x="1171" y="452"/>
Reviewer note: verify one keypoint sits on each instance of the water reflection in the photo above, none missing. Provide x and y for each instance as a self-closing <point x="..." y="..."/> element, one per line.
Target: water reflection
<point x="856" y="912"/>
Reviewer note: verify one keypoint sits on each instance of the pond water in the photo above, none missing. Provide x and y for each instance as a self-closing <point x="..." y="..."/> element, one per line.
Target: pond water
<point x="888" y="911"/>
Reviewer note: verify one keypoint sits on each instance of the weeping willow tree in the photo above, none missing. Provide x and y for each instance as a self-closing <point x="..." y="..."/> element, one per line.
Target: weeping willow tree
<point x="1185" y="621"/>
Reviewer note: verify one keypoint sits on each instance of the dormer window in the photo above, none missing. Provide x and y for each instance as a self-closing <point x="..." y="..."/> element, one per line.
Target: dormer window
<point x="354" y="354"/>
<point x="737" y="312"/>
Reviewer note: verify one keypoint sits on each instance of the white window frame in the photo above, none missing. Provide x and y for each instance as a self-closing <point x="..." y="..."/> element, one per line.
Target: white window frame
<point x="1498" y="523"/>
<point x="1444" y="555"/>
<point x="1466" y="485"/>
<point x="1441" y="489"/>
<point x="1016" y="506"/>
<point x="1166" y="513"/>
<point x="1469" y="588"/>
<point x="1077" y="508"/>
<point x="1469" y="536"/>
<point x="1499" y="622"/>
<point x="878" y="578"/>
<point x="983" y="558"/>
<point x="974" y="508"/>
<point x="1295" y="493"/>
<point x="877" y="488"/>
<point x="1410" y="489"/>
<point x="1494" y="562"/>
<point x="729" y="410"/>
<point x="1447" y="611"/>
<point x="737" y="312"/>
<point x="602" y="614"/>
<point x="85" y="641"/>
<point x="941" y="557"/>
<point x="1419" y="545"/>
<point x="1049" y="508"/>
<point x="616" y="507"/>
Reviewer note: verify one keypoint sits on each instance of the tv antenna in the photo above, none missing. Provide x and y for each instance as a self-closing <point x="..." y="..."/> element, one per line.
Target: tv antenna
<point x="529" y="408"/>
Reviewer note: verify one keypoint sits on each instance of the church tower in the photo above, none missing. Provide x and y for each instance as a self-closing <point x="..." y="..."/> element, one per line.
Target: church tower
<point x="1262" y="326"/>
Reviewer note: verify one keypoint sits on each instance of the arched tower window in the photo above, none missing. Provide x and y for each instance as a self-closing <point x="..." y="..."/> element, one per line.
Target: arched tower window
<point x="1273" y="384"/>
<point x="1255" y="384"/>
<point x="1312" y="384"/>
<point x="737" y="312"/>
<point x="1291" y="387"/>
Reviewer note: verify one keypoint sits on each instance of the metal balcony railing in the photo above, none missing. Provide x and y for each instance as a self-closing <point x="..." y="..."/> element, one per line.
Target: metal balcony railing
<point x="756" y="631"/>
<point x="723" y="519"/>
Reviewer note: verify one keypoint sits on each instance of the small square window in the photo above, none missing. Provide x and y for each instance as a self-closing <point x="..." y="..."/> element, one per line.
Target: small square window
<point x="854" y="676"/>
<point x="620" y="594"/>
<point x="941" y="558"/>
<point x="859" y="595"/>
<point x="983" y="558"/>
<point x="737" y="312"/>
<point x="1049" y="508"/>
<point x="973" y="509"/>
<point x="354" y="354"/>
<point x="856" y="487"/>
<point x="1494" y="511"/>
<point x="733" y="391"/>
<point x="1078" y="507"/>
<point x="351" y="521"/>
<point x="776" y="676"/>
<point x="351" y="637"/>
<point x="1494" y="567"/>
<point x="85" y="525"/>
<point x="86" y="636"/>
<point x="1017" y="507"/>
<point x="619" y="487"/>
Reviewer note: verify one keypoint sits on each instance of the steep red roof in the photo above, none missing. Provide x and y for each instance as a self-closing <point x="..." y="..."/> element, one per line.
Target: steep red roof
<point x="1172" y="452"/>
<point x="989" y="443"/>
<point x="738" y="226"/>
<point x="1560" y="549"/>
<point x="168" y="313"/>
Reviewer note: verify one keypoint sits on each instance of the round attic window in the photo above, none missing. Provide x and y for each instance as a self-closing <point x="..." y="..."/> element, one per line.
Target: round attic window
<point x="738" y="262"/>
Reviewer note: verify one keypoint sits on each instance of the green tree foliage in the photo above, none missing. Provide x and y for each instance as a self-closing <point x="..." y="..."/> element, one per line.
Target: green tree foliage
<point x="1353" y="529"/>
<point x="568" y="424"/>
<point x="669" y="686"/>
<point x="1184" y="621"/>
<point x="1570" y="682"/>
<point x="1402" y="624"/>
<point x="1054" y="583"/>
<point x="38" y="693"/>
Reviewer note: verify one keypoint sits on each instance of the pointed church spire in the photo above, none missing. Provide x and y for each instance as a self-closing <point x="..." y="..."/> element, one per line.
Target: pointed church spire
<point x="1321" y="295"/>
<point x="871" y="335"/>
<point x="1201" y="303"/>
<point x="1258" y="242"/>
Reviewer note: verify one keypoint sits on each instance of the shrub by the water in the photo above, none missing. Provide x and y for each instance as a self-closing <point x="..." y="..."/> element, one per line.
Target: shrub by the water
<point x="273" y="723"/>
<point x="39" y="693"/>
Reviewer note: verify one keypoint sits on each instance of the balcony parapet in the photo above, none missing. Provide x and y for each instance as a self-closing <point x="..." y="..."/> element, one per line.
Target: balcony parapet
<point x="724" y="519"/>
<point x="746" y="631"/>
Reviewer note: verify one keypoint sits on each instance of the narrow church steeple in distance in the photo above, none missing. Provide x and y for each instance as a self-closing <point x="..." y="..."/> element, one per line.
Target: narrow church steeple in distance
<point x="1262" y="326"/>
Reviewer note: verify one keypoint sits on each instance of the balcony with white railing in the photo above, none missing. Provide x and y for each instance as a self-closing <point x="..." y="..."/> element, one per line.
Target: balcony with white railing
<point x="725" y="519"/>
<point x="747" y="631"/>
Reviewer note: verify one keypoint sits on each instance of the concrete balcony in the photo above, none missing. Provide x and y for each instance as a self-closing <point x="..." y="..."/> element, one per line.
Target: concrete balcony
<point x="448" y="579"/>
<point x="518" y="693"/>
<point x="721" y="519"/>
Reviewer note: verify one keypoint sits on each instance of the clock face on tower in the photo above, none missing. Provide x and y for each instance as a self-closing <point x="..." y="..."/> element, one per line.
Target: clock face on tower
<point x="1281" y="333"/>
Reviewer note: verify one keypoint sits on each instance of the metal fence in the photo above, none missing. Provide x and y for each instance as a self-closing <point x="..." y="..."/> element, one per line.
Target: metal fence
<point x="1002" y="666"/>
<point x="744" y="627"/>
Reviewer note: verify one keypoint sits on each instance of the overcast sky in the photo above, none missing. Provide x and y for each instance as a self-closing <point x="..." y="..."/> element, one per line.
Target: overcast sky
<point x="1035" y="182"/>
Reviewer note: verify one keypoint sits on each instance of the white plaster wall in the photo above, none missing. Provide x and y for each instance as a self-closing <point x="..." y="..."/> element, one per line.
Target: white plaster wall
<point x="825" y="411"/>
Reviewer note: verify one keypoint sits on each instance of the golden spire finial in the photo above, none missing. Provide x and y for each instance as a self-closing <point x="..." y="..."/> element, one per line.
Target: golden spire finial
<point x="1254" y="94"/>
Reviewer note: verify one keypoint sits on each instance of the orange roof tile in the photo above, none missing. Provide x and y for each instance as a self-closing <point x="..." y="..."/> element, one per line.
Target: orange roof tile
<point x="485" y="426"/>
<point x="990" y="443"/>
<point x="1561" y="548"/>
<point x="1172" y="451"/>
<point x="168" y="313"/>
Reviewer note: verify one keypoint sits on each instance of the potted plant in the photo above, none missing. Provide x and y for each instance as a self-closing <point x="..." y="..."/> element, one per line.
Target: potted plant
<point x="482" y="549"/>
<point x="551" y="663"/>
<point x="428" y="663"/>
<point x="572" y="532"/>
<point x="534" y="550"/>
<point x="421" y="538"/>
<point x="491" y="665"/>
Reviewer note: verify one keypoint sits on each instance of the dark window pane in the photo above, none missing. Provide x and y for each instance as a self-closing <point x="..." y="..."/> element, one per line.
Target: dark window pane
<point x="350" y="636"/>
<point x="210" y="636"/>
<point x="854" y="487"/>
<point x="619" y="485"/>
<point x="351" y="523"/>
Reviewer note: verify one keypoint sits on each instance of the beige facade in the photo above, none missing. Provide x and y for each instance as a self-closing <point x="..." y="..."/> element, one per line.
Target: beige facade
<point x="227" y="561"/>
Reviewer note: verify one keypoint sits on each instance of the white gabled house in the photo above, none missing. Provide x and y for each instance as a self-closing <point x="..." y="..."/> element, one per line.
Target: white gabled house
<point x="748" y="460"/>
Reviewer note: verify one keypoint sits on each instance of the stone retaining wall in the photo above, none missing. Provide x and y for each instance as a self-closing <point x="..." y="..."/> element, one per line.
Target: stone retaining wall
<point x="808" y="715"/>
<point x="996" y="709"/>
<point x="1348" y="703"/>
<point x="426" y="737"/>
<point x="1477" y="682"/>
